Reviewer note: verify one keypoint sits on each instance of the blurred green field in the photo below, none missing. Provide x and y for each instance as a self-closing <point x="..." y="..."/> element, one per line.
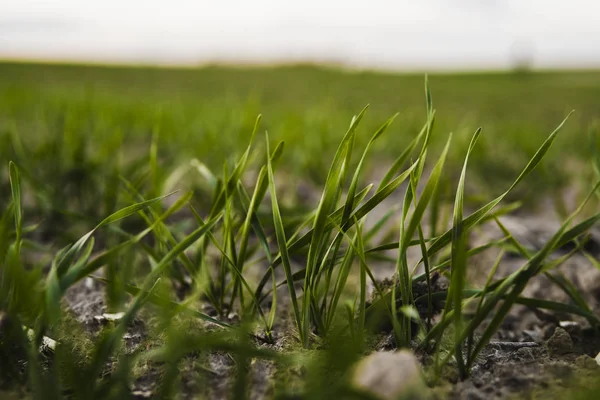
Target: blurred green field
<point x="79" y="125"/>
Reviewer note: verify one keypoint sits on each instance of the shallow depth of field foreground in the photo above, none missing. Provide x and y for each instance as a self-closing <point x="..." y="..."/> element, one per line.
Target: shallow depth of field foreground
<point x="298" y="233"/>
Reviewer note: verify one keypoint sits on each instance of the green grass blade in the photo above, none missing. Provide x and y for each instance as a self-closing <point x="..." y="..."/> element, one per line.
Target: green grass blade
<point x="339" y="286"/>
<point x="283" y="250"/>
<point x="228" y="188"/>
<point x="459" y="260"/>
<point x="349" y="205"/>
<point x="15" y="187"/>
<point x="402" y="158"/>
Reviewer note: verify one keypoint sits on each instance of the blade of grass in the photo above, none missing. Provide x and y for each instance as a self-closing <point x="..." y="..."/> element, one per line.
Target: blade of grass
<point x="236" y="174"/>
<point x="283" y="249"/>
<point x="459" y="260"/>
<point x="15" y="187"/>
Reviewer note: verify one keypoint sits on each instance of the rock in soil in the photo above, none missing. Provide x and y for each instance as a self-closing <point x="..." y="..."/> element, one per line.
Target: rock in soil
<point x="390" y="375"/>
<point x="560" y="343"/>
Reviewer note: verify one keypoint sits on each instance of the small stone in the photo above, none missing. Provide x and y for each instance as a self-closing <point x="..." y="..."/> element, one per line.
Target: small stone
<point x="598" y="359"/>
<point x="568" y="324"/>
<point x="572" y="327"/>
<point x="390" y="374"/>
<point x="142" y="394"/>
<point x="560" y="343"/>
<point x="89" y="283"/>
<point x="113" y="317"/>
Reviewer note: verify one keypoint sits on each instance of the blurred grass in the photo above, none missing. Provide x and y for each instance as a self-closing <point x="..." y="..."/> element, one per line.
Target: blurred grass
<point x="209" y="112"/>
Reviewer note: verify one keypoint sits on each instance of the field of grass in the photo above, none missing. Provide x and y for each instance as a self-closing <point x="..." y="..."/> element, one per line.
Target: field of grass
<point x="208" y="113"/>
<point x="208" y="231"/>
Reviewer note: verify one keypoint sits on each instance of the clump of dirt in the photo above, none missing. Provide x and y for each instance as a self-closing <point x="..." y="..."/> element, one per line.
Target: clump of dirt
<point x="520" y="369"/>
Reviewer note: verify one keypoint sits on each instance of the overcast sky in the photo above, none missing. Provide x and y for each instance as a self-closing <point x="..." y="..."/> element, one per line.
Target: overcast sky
<point x="402" y="34"/>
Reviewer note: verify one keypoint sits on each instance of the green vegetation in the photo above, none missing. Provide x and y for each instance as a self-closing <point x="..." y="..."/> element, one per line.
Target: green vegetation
<point x="112" y="175"/>
<point x="208" y="113"/>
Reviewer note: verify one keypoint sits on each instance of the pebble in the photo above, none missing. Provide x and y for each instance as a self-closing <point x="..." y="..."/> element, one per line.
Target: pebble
<point x="390" y="375"/>
<point x="113" y="317"/>
<point x="560" y="342"/>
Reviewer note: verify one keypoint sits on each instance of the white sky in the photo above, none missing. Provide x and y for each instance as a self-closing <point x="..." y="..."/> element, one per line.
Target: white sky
<point x="400" y="34"/>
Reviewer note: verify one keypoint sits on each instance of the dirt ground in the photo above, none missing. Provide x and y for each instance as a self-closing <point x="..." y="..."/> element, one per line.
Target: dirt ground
<point x="533" y="354"/>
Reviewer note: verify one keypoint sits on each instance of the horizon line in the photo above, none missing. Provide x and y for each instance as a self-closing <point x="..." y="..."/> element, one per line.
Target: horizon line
<point x="309" y="62"/>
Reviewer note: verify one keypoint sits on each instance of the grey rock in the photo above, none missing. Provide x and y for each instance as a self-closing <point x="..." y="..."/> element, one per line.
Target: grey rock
<point x="560" y="342"/>
<point x="391" y="375"/>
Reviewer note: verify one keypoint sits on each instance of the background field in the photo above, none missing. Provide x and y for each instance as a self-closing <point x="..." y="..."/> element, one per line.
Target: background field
<point x="104" y="117"/>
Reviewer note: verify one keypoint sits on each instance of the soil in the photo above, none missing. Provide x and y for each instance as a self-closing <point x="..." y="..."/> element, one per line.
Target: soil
<point x="534" y="353"/>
